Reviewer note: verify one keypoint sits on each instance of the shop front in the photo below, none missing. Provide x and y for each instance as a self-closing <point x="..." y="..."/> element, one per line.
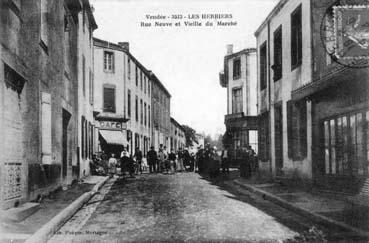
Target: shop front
<point x="242" y="131"/>
<point x="112" y="136"/>
<point x="341" y="136"/>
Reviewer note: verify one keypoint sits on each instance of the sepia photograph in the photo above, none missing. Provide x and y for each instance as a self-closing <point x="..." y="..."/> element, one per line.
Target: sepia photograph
<point x="184" y="121"/>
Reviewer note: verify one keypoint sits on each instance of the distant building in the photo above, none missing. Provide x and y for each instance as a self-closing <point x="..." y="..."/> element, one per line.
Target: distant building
<point x="39" y="97"/>
<point x="122" y="99"/>
<point x="160" y="100"/>
<point x="177" y="137"/>
<point x="239" y="77"/>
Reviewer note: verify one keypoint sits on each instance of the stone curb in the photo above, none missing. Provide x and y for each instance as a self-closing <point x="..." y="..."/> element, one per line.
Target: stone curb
<point x="46" y="231"/>
<point x="304" y="212"/>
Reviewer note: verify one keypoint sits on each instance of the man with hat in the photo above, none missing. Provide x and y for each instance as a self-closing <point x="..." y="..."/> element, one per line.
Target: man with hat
<point x="152" y="158"/>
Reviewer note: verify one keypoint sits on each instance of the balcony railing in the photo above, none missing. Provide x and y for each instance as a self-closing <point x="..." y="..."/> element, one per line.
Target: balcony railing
<point x="234" y="116"/>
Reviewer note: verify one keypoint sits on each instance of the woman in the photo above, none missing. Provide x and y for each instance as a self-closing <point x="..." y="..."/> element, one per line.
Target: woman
<point x="112" y="164"/>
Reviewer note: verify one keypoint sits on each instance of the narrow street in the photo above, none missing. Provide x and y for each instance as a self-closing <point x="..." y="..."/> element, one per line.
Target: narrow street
<point x="177" y="208"/>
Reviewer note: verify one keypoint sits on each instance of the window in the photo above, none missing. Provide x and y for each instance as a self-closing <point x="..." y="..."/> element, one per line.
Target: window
<point x="145" y="122"/>
<point x="136" y="103"/>
<point x="296" y="130"/>
<point x="236" y="68"/>
<point x="148" y="86"/>
<point x="136" y="76"/>
<point x="109" y="99"/>
<point x="129" y="103"/>
<point x="44" y="27"/>
<point x="141" y="80"/>
<point x="145" y="84"/>
<point x="109" y="61"/>
<point x="84" y="75"/>
<point x="296" y="38"/>
<point x="83" y="20"/>
<point x="149" y="111"/>
<point x="141" y="107"/>
<point x="91" y="87"/>
<point x="129" y="68"/>
<point x="277" y="67"/>
<point x="237" y="100"/>
<point x="263" y="66"/>
<point x="346" y="144"/>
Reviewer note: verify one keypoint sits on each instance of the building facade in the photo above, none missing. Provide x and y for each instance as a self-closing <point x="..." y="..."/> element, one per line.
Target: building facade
<point x="160" y="100"/>
<point x="177" y="138"/>
<point x="338" y="102"/>
<point x="122" y="100"/>
<point x="284" y="65"/>
<point x="38" y="108"/>
<point x="239" y="77"/>
<point x="85" y="64"/>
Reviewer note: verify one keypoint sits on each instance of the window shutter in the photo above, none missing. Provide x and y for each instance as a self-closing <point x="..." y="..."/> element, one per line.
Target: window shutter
<point x="303" y="130"/>
<point x="109" y="99"/>
<point x="289" y="129"/>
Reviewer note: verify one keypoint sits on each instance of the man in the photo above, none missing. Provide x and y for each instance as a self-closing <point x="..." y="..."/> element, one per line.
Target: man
<point x="166" y="159"/>
<point x="138" y="157"/>
<point x="172" y="159"/>
<point x="152" y="158"/>
<point x="180" y="160"/>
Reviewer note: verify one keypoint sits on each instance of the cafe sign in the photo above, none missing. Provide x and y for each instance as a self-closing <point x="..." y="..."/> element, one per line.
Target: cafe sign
<point x="111" y="125"/>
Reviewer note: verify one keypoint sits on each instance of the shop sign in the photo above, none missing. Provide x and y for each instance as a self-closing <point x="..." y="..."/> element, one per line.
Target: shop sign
<point x="111" y="125"/>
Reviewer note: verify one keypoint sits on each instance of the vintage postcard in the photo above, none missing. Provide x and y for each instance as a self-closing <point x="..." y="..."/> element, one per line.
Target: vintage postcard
<point x="184" y="121"/>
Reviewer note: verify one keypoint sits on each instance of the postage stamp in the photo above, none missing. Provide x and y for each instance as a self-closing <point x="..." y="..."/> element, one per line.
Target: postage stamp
<point x="351" y="32"/>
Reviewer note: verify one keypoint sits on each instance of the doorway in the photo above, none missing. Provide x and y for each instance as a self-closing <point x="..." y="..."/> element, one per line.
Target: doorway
<point x="278" y="139"/>
<point x="66" y="118"/>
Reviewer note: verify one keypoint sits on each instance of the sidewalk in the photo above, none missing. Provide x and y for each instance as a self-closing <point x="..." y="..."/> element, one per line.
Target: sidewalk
<point x="319" y="206"/>
<point x="49" y="207"/>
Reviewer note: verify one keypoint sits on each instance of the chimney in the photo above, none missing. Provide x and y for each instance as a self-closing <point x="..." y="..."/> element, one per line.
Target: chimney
<point x="229" y="49"/>
<point x="124" y="45"/>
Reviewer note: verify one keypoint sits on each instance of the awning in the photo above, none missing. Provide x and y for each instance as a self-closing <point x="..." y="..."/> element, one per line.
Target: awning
<point x="113" y="137"/>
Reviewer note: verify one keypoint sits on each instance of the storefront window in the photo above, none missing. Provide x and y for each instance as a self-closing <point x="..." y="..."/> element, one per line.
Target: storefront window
<point x="333" y="147"/>
<point x="326" y="146"/>
<point x="345" y="149"/>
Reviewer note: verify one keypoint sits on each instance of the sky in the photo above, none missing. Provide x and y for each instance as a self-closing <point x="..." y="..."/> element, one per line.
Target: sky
<point x="187" y="60"/>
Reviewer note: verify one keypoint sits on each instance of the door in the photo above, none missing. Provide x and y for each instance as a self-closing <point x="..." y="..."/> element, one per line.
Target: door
<point x="66" y="118"/>
<point x="278" y="139"/>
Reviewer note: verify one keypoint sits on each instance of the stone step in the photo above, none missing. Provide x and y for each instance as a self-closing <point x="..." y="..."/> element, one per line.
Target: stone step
<point x="20" y="213"/>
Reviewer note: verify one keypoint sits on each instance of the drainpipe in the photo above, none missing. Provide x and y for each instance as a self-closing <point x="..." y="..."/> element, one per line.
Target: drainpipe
<point x="269" y="101"/>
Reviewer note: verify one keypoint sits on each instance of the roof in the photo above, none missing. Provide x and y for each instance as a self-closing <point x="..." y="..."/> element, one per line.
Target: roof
<point x="275" y="10"/>
<point x="106" y="44"/>
<point x="244" y="51"/>
<point x="157" y="81"/>
<point x="113" y="46"/>
<point x="227" y="57"/>
<point x="176" y="123"/>
<point x="90" y="15"/>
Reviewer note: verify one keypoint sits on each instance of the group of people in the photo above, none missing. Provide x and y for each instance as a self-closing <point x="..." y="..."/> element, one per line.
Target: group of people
<point x="160" y="161"/>
<point x="248" y="163"/>
<point x="207" y="160"/>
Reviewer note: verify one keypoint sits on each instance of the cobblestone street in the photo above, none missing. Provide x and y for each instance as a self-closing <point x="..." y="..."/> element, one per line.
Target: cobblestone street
<point x="175" y="208"/>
